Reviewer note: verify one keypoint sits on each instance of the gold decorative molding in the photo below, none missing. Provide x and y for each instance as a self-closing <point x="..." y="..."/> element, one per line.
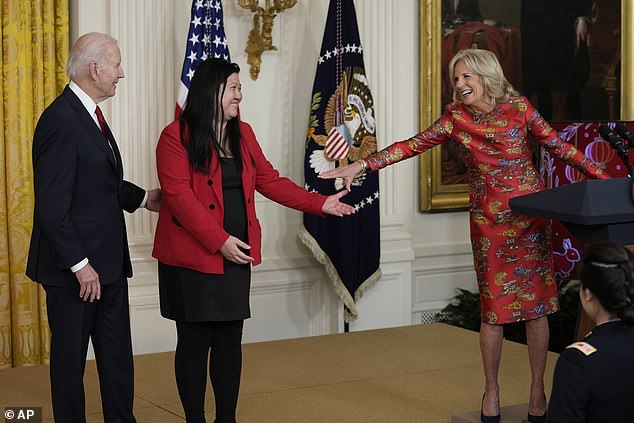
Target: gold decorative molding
<point x="260" y="38"/>
<point x="627" y="60"/>
<point x="433" y="195"/>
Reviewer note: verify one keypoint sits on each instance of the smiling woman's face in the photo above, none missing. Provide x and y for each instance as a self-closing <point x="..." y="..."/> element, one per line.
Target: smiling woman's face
<point x="232" y="97"/>
<point x="470" y="88"/>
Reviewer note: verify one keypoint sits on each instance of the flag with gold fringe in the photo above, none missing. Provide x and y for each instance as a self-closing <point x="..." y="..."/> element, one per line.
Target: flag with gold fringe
<point x="341" y="130"/>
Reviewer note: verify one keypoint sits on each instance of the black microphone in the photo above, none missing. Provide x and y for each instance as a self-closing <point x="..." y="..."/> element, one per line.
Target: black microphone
<point x="625" y="133"/>
<point x="615" y="141"/>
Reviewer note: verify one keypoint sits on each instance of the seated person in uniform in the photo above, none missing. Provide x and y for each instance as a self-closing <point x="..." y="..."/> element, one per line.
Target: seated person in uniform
<point x="593" y="378"/>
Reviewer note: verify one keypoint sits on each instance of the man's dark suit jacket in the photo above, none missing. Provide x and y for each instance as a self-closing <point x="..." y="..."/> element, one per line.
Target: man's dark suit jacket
<point x="80" y="196"/>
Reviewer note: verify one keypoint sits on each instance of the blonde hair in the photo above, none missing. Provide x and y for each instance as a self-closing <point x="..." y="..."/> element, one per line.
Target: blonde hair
<point x="485" y="64"/>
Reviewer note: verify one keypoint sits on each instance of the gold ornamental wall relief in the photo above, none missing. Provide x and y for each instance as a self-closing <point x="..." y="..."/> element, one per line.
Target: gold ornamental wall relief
<point x="260" y="38"/>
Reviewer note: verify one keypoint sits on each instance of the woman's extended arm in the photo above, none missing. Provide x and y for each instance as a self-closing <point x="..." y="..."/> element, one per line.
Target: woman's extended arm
<point x="437" y="133"/>
<point x="548" y="137"/>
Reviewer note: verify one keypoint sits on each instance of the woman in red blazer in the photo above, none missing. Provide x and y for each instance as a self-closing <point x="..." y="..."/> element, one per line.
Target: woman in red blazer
<point x="208" y="236"/>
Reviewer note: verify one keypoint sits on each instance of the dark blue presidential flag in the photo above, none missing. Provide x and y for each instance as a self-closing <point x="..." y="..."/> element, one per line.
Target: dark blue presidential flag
<point x="341" y="130"/>
<point x="206" y="38"/>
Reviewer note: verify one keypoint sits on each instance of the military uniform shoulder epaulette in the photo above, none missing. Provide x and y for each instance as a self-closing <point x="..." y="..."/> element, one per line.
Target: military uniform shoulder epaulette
<point x="584" y="347"/>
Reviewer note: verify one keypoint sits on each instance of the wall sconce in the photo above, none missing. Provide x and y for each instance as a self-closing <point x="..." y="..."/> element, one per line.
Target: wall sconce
<point x="260" y="38"/>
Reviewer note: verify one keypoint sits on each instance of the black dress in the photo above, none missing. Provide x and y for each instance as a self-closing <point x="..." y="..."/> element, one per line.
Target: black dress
<point x="192" y="296"/>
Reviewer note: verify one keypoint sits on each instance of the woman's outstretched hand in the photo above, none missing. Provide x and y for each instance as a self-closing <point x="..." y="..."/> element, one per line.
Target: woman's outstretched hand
<point x="232" y="252"/>
<point x="335" y="207"/>
<point x="348" y="173"/>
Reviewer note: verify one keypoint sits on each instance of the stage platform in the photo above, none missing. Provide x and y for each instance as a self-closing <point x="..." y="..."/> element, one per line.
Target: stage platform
<point x="422" y="373"/>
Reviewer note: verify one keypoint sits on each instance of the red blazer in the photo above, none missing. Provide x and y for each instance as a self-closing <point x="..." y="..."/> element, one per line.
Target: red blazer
<point x="189" y="232"/>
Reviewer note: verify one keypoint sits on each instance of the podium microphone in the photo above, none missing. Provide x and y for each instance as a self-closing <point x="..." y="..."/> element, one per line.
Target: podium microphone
<point x="625" y="133"/>
<point x="617" y="143"/>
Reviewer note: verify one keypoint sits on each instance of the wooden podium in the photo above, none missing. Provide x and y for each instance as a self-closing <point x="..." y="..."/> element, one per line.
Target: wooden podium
<point x="593" y="211"/>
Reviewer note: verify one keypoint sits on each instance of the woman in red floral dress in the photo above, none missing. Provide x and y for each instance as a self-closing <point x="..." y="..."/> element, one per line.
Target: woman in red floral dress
<point x="512" y="254"/>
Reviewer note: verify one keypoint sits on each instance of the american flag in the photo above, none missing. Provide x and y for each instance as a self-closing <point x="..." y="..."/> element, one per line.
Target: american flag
<point x="206" y="38"/>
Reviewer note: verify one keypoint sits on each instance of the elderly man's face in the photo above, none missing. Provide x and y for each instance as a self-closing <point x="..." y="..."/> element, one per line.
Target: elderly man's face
<point x="108" y="72"/>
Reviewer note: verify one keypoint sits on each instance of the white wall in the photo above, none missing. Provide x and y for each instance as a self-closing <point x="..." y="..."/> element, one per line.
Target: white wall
<point x="424" y="256"/>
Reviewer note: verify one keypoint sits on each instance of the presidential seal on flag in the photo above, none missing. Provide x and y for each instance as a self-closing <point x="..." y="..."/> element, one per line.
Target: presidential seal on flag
<point x="349" y="120"/>
<point x="341" y="130"/>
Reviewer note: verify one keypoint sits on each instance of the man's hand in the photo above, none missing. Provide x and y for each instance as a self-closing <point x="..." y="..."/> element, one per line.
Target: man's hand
<point x="89" y="286"/>
<point x="153" y="200"/>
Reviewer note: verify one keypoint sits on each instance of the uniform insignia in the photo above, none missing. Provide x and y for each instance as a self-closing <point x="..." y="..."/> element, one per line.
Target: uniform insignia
<point x="584" y="347"/>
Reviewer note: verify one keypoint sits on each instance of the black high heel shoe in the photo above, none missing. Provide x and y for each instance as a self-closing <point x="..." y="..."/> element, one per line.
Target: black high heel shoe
<point x="488" y="419"/>
<point x="538" y="419"/>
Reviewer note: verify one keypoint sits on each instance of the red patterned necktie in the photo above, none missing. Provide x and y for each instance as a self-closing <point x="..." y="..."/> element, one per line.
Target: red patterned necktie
<point x="102" y="122"/>
<point x="104" y="130"/>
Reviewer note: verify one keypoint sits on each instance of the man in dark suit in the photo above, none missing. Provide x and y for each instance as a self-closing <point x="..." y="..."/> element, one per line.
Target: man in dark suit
<point x="79" y="249"/>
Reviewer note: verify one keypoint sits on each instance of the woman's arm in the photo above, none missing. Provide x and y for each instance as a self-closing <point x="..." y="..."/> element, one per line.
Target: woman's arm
<point x="286" y="192"/>
<point x="437" y="133"/>
<point x="548" y="137"/>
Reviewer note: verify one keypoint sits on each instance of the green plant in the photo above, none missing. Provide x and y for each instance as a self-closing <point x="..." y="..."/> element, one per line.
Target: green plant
<point x="464" y="311"/>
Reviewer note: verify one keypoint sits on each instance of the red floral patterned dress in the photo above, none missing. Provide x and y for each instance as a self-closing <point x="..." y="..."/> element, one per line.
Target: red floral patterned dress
<point x="512" y="254"/>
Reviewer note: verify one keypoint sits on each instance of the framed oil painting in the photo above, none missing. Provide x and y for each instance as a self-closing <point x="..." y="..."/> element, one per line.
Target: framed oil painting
<point x="598" y="80"/>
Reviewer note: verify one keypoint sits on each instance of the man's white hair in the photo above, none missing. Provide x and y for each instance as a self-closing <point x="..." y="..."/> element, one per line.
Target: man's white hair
<point x="88" y="48"/>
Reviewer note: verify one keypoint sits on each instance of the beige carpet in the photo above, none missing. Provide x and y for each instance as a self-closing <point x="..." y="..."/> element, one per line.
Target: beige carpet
<point x="422" y="373"/>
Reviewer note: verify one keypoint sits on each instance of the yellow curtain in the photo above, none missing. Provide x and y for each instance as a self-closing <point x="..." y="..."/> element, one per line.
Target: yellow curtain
<point x="34" y="51"/>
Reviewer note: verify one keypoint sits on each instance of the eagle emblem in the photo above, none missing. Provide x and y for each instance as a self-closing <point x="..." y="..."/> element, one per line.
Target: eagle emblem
<point x="349" y="124"/>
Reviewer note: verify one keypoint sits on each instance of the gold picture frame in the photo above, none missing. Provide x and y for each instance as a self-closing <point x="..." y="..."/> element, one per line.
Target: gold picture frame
<point x="434" y="196"/>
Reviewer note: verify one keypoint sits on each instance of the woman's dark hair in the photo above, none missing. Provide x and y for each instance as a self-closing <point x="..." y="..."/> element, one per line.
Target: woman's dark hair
<point x="608" y="272"/>
<point x="201" y="115"/>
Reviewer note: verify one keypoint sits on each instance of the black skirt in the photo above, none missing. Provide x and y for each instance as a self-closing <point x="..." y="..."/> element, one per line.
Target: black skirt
<point x="192" y="296"/>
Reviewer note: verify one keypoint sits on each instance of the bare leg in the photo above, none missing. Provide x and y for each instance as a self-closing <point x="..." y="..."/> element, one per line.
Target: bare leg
<point x="537" y="337"/>
<point x="491" y="337"/>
